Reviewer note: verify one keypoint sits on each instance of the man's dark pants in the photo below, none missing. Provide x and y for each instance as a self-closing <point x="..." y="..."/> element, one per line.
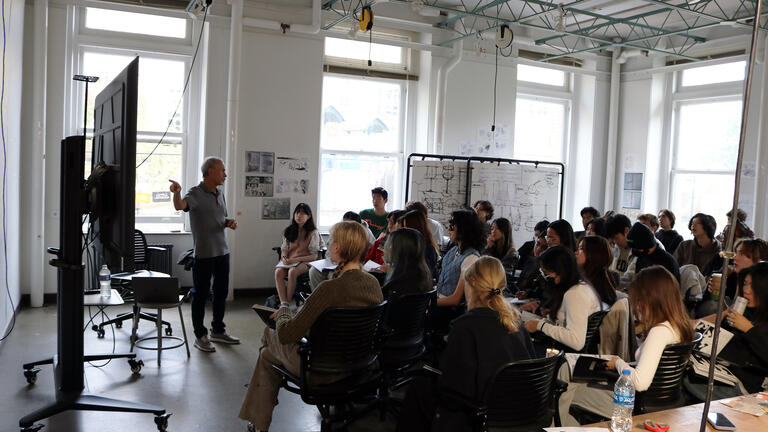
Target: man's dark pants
<point x="205" y="269"/>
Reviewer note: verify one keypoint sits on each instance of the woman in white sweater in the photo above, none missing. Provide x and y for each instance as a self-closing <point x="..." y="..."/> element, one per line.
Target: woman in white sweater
<point x="571" y="300"/>
<point x="656" y="302"/>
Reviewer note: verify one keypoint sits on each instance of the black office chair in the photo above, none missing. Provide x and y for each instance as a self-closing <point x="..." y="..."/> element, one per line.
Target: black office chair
<point x="666" y="390"/>
<point x="303" y="290"/>
<point x="403" y="341"/>
<point x="522" y="396"/>
<point x="141" y="260"/>
<point x="591" y="341"/>
<point x="342" y="342"/>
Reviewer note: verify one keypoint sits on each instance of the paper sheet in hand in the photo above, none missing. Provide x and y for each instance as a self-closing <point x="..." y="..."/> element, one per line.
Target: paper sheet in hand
<point x="323" y="264"/>
<point x="280" y="264"/>
<point x="371" y="265"/>
<point x="527" y="316"/>
<point x="707" y="330"/>
<point x="265" y="314"/>
<point x="517" y="301"/>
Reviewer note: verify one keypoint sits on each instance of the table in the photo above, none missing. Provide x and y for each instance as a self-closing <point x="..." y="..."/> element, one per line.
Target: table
<point x="101" y="303"/>
<point x="688" y="418"/>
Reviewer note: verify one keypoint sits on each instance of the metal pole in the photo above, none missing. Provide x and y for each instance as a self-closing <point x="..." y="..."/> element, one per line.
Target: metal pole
<point x="85" y="112"/>
<point x="732" y="231"/>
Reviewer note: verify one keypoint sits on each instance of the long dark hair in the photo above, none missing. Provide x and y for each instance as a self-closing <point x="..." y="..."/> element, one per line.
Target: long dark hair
<point x="595" y="269"/>
<point x="291" y="233"/>
<point x="759" y="274"/>
<point x="654" y="296"/>
<point x="564" y="230"/>
<point x="416" y="220"/>
<point x="405" y="248"/>
<point x="598" y="226"/>
<point x="561" y="261"/>
<point x="469" y="230"/>
<point x="500" y="248"/>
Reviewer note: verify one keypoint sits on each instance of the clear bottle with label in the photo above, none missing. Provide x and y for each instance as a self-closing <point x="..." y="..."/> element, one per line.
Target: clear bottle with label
<point x="623" y="403"/>
<point x="105" y="281"/>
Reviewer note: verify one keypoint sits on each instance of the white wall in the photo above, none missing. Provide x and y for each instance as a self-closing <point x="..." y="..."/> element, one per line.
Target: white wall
<point x="11" y="108"/>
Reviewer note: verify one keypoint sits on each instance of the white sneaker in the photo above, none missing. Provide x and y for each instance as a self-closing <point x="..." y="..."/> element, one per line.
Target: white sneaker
<point x="204" y="344"/>
<point x="224" y="338"/>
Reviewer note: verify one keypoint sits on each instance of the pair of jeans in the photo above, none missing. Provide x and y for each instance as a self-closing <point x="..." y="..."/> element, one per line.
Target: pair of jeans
<point x="205" y="270"/>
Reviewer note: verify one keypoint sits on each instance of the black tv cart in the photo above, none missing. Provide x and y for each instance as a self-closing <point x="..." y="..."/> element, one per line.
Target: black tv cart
<point x="68" y="362"/>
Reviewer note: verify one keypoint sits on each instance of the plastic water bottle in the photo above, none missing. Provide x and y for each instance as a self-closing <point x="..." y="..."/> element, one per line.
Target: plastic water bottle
<point x="105" y="281"/>
<point x="623" y="403"/>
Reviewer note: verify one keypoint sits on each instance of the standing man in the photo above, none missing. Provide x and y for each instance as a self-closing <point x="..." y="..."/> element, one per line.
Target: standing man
<point x="208" y="218"/>
<point x="376" y="217"/>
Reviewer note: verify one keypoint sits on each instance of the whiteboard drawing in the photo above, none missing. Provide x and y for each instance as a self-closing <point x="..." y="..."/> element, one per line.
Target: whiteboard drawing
<point x="524" y="194"/>
<point x="440" y="185"/>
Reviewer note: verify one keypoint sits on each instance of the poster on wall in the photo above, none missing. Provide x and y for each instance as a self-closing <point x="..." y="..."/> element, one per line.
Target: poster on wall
<point x="276" y="208"/>
<point x="488" y="143"/>
<point x="259" y="186"/>
<point x="259" y="162"/>
<point x="292" y="167"/>
<point x="285" y="186"/>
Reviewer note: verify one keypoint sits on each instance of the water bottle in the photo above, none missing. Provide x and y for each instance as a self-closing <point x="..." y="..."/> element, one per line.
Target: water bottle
<point x="623" y="403"/>
<point x="105" y="283"/>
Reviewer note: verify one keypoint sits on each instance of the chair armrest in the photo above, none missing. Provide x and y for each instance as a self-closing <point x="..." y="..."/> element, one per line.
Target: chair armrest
<point x="156" y="248"/>
<point x="560" y="388"/>
<point x="455" y="401"/>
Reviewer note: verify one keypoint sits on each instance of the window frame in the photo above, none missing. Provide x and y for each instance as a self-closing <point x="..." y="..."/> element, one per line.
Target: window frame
<point x="535" y="93"/>
<point x="85" y="39"/>
<point x="396" y="194"/>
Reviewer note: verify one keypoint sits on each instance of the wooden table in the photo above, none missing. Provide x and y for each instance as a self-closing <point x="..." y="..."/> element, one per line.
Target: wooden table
<point x="688" y="418"/>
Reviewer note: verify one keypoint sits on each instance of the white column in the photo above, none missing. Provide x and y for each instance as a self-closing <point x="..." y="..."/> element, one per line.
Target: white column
<point x="233" y="101"/>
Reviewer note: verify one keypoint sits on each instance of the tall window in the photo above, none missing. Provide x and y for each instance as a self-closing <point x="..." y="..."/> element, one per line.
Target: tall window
<point x="361" y="144"/>
<point x="161" y="83"/>
<point x="705" y="142"/>
<point x="542" y="122"/>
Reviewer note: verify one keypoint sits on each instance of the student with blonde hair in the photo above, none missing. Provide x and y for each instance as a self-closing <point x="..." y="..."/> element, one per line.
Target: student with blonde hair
<point x="487" y="336"/>
<point x="350" y="287"/>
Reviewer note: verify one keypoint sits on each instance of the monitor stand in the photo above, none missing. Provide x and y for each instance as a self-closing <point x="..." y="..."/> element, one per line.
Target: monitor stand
<point x="68" y="363"/>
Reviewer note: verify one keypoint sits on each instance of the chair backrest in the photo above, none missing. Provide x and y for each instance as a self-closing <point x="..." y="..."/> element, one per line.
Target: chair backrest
<point x="405" y="317"/>
<point x="593" y="332"/>
<point x="522" y="392"/>
<point x="666" y="388"/>
<point x="343" y="340"/>
<point x="140" y="255"/>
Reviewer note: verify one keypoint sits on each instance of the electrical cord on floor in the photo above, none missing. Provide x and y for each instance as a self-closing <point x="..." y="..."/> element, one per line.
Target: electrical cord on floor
<point x="4" y="177"/>
<point x="104" y="317"/>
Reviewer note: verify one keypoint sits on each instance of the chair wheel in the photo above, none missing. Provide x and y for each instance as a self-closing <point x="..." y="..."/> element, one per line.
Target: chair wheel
<point x="119" y="324"/>
<point x="162" y="421"/>
<point x="135" y="365"/>
<point x="31" y="376"/>
<point x="33" y="428"/>
<point x="168" y="331"/>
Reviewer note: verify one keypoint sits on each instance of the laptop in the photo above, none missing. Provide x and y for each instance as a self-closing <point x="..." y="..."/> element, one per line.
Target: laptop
<point x="155" y="289"/>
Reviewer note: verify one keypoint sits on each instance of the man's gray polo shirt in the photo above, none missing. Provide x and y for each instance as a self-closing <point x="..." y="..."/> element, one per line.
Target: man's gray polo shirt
<point x="208" y="218"/>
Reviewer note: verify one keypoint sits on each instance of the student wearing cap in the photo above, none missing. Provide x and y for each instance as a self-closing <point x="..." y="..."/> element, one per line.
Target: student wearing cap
<point x="645" y="247"/>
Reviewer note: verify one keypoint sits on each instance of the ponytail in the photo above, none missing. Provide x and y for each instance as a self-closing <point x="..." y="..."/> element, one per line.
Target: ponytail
<point x="487" y="280"/>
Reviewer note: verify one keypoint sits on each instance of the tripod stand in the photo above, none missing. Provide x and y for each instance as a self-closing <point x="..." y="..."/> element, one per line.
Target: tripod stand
<point x="68" y="363"/>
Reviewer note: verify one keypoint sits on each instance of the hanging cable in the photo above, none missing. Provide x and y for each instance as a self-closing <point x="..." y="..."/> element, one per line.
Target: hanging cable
<point x="183" y="92"/>
<point x="495" y="77"/>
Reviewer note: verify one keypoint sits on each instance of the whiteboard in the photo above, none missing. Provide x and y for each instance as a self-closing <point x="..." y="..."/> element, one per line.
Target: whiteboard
<point x="440" y="185"/>
<point x="524" y="194"/>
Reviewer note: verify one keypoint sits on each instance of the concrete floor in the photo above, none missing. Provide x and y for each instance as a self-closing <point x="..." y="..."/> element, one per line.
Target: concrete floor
<point x="203" y="392"/>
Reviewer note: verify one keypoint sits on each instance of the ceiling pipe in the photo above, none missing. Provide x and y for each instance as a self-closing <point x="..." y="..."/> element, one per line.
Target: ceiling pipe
<point x="313" y="28"/>
<point x="611" y="161"/>
<point x="626" y="54"/>
<point x="442" y="94"/>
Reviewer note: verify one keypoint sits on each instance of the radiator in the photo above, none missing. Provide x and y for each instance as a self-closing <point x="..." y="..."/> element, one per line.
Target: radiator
<point x="161" y="258"/>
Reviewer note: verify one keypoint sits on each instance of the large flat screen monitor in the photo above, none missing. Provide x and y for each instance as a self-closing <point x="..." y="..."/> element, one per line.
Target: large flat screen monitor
<point x="113" y="201"/>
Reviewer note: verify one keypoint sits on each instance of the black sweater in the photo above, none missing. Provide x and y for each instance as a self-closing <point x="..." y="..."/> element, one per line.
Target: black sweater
<point x="748" y="352"/>
<point x="670" y="239"/>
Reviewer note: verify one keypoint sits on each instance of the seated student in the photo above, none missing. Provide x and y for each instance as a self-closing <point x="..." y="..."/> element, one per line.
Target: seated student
<point x="594" y="259"/>
<point x="416" y="220"/>
<point x="742" y="232"/>
<point x="408" y="272"/>
<point x="354" y="217"/>
<point x="501" y="246"/>
<point x="376" y="217"/>
<point x="703" y="247"/>
<point x="301" y="243"/>
<point x="648" y="253"/>
<point x="532" y="284"/>
<point x="560" y="233"/>
<point x="667" y="235"/>
<point x="596" y="227"/>
<point x="376" y="252"/>
<point x="652" y="222"/>
<point x="587" y="215"/>
<point x="741" y="220"/>
<point x="617" y="227"/>
<point x="350" y="287"/>
<point x="747" y="349"/>
<point x="487" y="336"/>
<point x="526" y="250"/>
<point x="655" y="298"/>
<point x="436" y="228"/>
<point x="465" y="230"/>
<point x="571" y="300"/>
<point x="484" y="210"/>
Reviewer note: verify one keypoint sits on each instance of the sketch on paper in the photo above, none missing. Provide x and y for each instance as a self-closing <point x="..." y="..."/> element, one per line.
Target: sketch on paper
<point x="493" y="143"/>
<point x="258" y="186"/>
<point x="524" y="194"/>
<point x="276" y="208"/>
<point x="260" y="162"/>
<point x="287" y="164"/>
<point x="300" y="186"/>
<point x="440" y="185"/>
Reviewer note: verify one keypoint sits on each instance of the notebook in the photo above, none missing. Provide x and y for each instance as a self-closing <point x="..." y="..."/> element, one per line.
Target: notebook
<point x="591" y="369"/>
<point x="155" y="289"/>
